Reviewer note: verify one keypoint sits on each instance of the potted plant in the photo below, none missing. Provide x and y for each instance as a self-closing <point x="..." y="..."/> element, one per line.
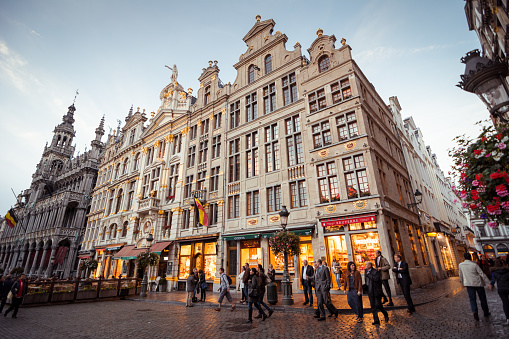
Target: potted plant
<point x="63" y="295"/>
<point x="37" y="296"/>
<point x="162" y="284"/>
<point x="145" y="259"/>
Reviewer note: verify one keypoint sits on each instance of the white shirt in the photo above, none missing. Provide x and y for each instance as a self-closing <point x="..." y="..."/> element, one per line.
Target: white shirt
<point x="304" y="275"/>
<point x="399" y="274"/>
<point x="240" y="277"/>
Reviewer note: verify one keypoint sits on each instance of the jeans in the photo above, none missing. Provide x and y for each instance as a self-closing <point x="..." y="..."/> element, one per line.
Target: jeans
<point x="505" y="302"/>
<point x="308" y="292"/>
<point x="203" y="294"/>
<point x="338" y="279"/>
<point x="2" y="304"/>
<point x="16" y="302"/>
<point x="472" y="290"/>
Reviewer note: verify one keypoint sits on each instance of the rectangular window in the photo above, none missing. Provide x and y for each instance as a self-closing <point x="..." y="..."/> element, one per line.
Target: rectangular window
<point x="188" y="186"/>
<point x="185" y="219"/>
<point x="235" y="114"/>
<point x="216" y="146"/>
<point x="269" y="98"/>
<point x="173" y="179"/>
<point x="213" y="214"/>
<point x="204" y="148"/>
<point x="234" y="206"/>
<point x="200" y="183"/>
<point x="298" y="194"/>
<point x="217" y="120"/>
<point x="321" y="134"/>
<point x="145" y="186"/>
<point x="251" y="107"/>
<point x="253" y="202"/>
<point x="328" y="182"/>
<point x="214" y="179"/>
<point x="316" y="100"/>
<point x="274" y="198"/>
<point x="347" y="126"/>
<point x="289" y="89"/>
<point x="177" y="143"/>
<point x="191" y="156"/>
<point x="294" y="141"/>
<point x="252" y="154"/>
<point x="148" y="160"/>
<point x="132" y="186"/>
<point x="398" y="239"/>
<point x="205" y="127"/>
<point x="154" y="180"/>
<point x="356" y="177"/>
<point x="412" y="245"/>
<point x="271" y="148"/>
<point x="192" y="132"/>
<point x="234" y="160"/>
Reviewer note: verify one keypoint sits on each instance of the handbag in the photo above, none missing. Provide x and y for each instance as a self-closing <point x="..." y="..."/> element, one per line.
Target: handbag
<point x="204" y="285"/>
<point x="253" y="293"/>
<point x="9" y="296"/>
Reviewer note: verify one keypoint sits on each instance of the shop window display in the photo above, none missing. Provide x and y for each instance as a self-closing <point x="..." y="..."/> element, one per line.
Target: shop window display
<point x="337" y="249"/>
<point x="362" y="225"/>
<point x="279" y="263"/>
<point x="251" y="252"/>
<point x="210" y="260"/>
<point x="185" y="261"/>
<point x="364" y="247"/>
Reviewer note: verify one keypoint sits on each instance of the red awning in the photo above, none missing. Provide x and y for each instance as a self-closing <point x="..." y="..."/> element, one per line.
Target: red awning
<point x="84" y="256"/>
<point x="128" y="252"/>
<point x="158" y="247"/>
<point x="346" y="220"/>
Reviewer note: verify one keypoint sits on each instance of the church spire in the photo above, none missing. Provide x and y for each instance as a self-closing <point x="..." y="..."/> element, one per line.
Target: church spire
<point x="99" y="131"/>
<point x="130" y="114"/>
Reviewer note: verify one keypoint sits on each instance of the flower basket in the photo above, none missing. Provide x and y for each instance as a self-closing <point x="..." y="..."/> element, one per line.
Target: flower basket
<point x="285" y="241"/>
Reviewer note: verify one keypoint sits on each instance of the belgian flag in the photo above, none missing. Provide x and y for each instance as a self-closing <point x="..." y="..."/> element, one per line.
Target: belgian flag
<point x="203" y="218"/>
<point x="11" y="218"/>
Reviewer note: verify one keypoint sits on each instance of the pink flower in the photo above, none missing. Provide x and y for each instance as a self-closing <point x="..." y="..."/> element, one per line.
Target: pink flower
<point x="475" y="183"/>
<point x="501" y="190"/>
<point x="488" y="155"/>
<point x="501" y="145"/>
<point x="492" y="224"/>
<point x="505" y="205"/>
<point x="464" y="204"/>
<point x="455" y="200"/>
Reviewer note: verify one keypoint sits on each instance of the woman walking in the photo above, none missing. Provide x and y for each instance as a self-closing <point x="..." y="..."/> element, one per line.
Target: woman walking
<point x="353" y="290"/>
<point x="500" y="275"/>
<point x="203" y="285"/>
<point x="240" y="286"/>
<point x="253" y="295"/>
<point x="264" y="280"/>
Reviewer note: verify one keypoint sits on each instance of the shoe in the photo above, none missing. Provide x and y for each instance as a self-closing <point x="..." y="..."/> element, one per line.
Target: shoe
<point x="386" y="319"/>
<point x="264" y="316"/>
<point x="316" y="316"/>
<point x="270" y="313"/>
<point x="384" y="301"/>
<point x="476" y="316"/>
<point x="305" y="303"/>
<point x="359" y="320"/>
<point x="390" y="303"/>
<point x="258" y="316"/>
<point x="487" y="314"/>
<point x="217" y="309"/>
<point x="376" y="322"/>
<point x="336" y="315"/>
<point x="249" y="321"/>
<point x="322" y="319"/>
<point x="233" y="308"/>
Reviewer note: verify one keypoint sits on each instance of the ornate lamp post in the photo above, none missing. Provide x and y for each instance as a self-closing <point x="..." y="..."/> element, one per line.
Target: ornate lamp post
<point x="287" y="286"/>
<point x="144" y="282"/>
<point x="487" y="79"/>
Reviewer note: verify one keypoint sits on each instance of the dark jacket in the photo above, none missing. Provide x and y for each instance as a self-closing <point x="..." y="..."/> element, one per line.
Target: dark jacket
<point x="15" y="288"/>
<point x="405" y="274"/>
<point x="374" y="282"/>
<point x="202" y="278"/>
<point x="309" y="272"/>
<point x="8" y="282"/>
<point x="271" y="273"/>
<point x="253" y="284"/>
<point x="191" y="283"/>
<point x="357" y="280"/>
<point x="246" y="277"/>
<point x="501" y="276"/>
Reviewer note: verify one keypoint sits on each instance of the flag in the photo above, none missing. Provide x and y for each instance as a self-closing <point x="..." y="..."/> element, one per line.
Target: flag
<point x="203" y="218"/>
<point x="11" y="218"/>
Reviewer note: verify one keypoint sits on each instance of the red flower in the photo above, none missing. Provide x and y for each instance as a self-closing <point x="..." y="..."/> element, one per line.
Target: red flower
<point x="473" y="206"/>
<point x="475" y="194"/>
<point x="477" y="152"/>
<point x="494" y="176"/>
<point x="483" y="139"/>
<point x="478" y="176"/>
<point x="499" y="136"/>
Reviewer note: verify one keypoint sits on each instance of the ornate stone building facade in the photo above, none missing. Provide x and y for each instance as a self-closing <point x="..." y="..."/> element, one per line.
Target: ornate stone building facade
<point x="310" y="134"/>
<point x="52" y="212"/>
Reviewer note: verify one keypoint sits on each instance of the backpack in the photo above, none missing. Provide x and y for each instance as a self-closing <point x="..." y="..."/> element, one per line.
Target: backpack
<point x="230" y="281"/>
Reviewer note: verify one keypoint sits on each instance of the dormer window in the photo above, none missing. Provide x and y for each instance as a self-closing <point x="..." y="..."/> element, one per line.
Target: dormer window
<point x="250" y="74"/>
<point x="207" y="95"/>
<point x="323" y="63"/>
<point x="268" y="64"/>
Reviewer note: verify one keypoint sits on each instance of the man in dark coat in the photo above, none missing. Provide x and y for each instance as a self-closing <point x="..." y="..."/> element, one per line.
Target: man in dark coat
<point x="403" y="278"/>
<point x="6" y="288"/>
<point x="191" y="284"/>
<point x="374" y="282"/>
<point x="19" y="290"/>
<point x="306" y="278"/>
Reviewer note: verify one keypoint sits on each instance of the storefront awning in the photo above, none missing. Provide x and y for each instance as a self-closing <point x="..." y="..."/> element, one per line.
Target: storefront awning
<point x="113" y="248"/>
<point x="241" y="236"/>
<point x="349" y="219"/>
<point x="84" y="256"/>
<point x="128" y="252"/>
<point x="158" y="247"/>
<point x="297" y="232"/>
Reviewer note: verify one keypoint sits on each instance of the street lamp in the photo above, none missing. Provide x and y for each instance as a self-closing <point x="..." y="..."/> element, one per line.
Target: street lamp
<point x="487" y="79"/>
<point x="418" y="198"/>
<point x="287" y="286"/>
<point x="144" y="282"/>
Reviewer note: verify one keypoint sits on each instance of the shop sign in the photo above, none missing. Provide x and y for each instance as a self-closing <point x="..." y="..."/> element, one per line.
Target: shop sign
<point x="331" y="229"/>
<point x="241" y="237"/>
<point x="339" y="221"/>
<point x="367" y="241"/>
<point x="360" y="204"/>
<point x="254" y="243"/>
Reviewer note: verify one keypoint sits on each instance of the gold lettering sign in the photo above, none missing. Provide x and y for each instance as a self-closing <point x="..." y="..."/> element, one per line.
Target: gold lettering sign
<point x="274" y="218"/>
<point x="252" y="222"/>
<point x="350" y="145"/>
<point x="330" y="209"/>
<point x="360" y="204"/>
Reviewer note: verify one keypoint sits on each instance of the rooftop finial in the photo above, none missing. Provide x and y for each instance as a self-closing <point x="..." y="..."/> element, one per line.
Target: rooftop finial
<point x="258" y="17"/>
<point x="319" y="32"/>
<point x="75" y="95"/>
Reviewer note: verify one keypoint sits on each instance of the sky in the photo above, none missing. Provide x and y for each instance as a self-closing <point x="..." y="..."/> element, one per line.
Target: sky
<point x="114" y="53"/>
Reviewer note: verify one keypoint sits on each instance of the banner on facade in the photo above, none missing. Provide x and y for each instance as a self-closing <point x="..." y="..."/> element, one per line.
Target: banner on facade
<point x="339" y="221"/>
<point x="60" y="256"/>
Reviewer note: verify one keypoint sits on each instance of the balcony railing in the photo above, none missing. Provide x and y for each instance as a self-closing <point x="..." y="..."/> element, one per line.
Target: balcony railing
<point x="200" y="194"/>
<point x="149" y="203"/>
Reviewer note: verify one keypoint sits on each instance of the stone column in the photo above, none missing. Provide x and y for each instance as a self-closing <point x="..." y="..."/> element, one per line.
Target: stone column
<point x="27" y="264"/>
<point x="103" y="263"/>
<point x="49" y="270"/>
<point x="69" y="262"/>
<point x="34" y="265"/>
<point x="43" y="259"/>
<point x="14" y="259"/>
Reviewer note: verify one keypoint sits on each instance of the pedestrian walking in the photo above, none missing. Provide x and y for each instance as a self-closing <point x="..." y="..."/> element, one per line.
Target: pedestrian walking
<point x="322" y="288"/>
<point x="474" y="279"/>
<point x="353" y="290"/>
<point x="203" y="285"/>
<point x="196" y="286"/>
<point x="307" y="273"/>
<point x="404" y="280"/>
<point x="245" y="279"/>
<point x="253" y="295"/>
<point x="4" y="291"/>
<point x="336" y="268"/>
<point x="19" y="290"/>
<point x="500" y="275"/>
<point x="383" y="266"/>
<point x="271" y="273"/>
<point x="224" y="290"/>
<point x="263" y="279"/>
<point x="190" y="288"/>
<point x="240" y="285"/>
<point x="374" y="282"/>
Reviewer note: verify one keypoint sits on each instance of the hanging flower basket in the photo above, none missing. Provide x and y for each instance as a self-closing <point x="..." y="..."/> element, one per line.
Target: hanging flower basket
<point x="147" y="258"/>
<point x="481" y="167"/>
<point x="89" y="263"/>
<point x="284" y="241"/>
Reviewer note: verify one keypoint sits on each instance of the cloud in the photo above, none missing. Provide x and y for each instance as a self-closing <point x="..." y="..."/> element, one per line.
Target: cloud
<point x="34" y="33"/>
<point x="13" y="67"/>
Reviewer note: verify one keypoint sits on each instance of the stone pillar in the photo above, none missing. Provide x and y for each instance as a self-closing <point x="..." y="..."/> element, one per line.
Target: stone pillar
<point x="103" y="263"/>
<point x="49" y="270"/>
<point x="43" y="259"/>
<point x="34" y="265"/>
<point x="14" y="260"/>
<point x="69" y="262"/>
<point x="27" y="264"/>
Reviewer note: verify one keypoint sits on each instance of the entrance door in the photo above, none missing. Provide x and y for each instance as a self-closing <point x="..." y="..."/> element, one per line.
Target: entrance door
<point x="232" y="268"/>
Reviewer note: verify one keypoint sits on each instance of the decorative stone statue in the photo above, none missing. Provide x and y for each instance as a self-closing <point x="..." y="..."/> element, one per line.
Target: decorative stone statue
<point x="174" y="72"/>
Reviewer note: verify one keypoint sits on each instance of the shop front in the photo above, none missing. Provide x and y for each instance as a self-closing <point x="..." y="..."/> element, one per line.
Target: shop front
<point x="200" y="254"/>
<point x="351" y="238"/>
<point x="126" y="260"/>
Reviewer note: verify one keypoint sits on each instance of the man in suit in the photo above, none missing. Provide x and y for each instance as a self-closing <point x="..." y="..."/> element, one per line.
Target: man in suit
<point x="383" y="266"/>
<point x="404" y="280"/>
<point x="322" y="288"/>
<point x="306" y="277"/>
<point x="374" y="282"/>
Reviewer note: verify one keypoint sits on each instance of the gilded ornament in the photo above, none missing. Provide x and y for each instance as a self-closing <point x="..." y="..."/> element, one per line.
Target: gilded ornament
<point x="252" y="222"/>
<point x="350" y="145"/>
<point x="323" y="153"/>
<point x="319" y="32"/>
<point x="213" y="77"/>
<point x="360" y="204"/>
<point x="330" y="209"/>
<point x="343" y="41"/>
<point x="275" y="218"/>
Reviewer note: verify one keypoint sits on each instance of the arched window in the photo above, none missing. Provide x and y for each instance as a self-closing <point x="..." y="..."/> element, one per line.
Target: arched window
<point x="124" y="229"/>
<point x="137" y="162"/>
<point x="113" y="231"/>
<point x="268" y="64"/>
<point x="117" y="171"/>
<point x="126" y="164"/>
<point x="250" y="74"/>
<point x="323" y="63"/>
<point x="207" y="95"/>
<point x="63" y="141"/>
<point x="104" y="233"/>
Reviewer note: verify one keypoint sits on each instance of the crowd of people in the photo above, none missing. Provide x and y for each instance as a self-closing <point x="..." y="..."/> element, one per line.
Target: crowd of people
<point x="13" y="289"/>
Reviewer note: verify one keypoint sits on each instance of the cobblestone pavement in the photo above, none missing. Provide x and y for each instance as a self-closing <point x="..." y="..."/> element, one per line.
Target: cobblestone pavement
<point x="447" y="317"/>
